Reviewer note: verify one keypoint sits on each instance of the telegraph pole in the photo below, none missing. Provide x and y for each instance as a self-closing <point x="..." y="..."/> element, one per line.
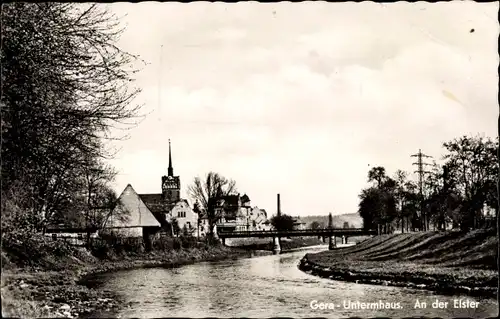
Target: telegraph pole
<point x="420" y="171"/>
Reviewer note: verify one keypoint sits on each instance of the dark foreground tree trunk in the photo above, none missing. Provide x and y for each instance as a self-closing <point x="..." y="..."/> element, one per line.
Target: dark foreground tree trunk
<point x="498" y="204"/>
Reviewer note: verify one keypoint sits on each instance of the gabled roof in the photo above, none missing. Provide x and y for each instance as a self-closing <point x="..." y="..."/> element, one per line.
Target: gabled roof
<point x="245" y="198"/>
<point x="156" y="203"/>
<point x="159" y="207"/>
<point x="133" y="207"/>
<point x="231" y="200"/>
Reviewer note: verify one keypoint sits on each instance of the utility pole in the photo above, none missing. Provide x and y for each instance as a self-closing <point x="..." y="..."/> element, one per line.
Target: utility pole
<point x="420" y="171"/>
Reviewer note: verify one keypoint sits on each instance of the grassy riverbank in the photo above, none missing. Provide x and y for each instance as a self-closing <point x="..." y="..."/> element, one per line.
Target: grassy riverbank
<point x="51" y="287"/>
<point x="448" y="262"/>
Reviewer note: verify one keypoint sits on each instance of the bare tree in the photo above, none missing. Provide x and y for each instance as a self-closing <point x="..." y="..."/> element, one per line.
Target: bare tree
<point x="473" y="168"/>
<point x="209" y="193"/>
<point x="99" y="196"/>
<point x="400" y="177"/>
<point x="66" y="85"/>
<point x="377" y="174"/>
<point x="117" y="213"/>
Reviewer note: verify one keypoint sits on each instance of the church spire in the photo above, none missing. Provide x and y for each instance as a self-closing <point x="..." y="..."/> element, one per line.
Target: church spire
<point x="170" y="168"/>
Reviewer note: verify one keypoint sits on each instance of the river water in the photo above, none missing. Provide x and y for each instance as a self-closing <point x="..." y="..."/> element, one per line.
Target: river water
<point x="266" y="286"/>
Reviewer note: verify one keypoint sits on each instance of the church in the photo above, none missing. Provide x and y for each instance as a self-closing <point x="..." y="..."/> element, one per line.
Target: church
<point x="143" y="214"/>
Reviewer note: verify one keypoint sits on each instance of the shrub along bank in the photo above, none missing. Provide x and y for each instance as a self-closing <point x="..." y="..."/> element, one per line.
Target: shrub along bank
<point x="41" y="277"/>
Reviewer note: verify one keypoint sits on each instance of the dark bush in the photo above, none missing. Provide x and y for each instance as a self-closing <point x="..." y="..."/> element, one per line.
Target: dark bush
<point x="162" y="243"/>
<point x="132" y="245"/>
<point x="177" y="243"/>
<point x="100" y="248"/>
<point x="213" y="241"/>
<point x="165" y="243"/>
<point x="113" y="243"/>
<point x="188" y="241"/>
<point x="33" y="249"/>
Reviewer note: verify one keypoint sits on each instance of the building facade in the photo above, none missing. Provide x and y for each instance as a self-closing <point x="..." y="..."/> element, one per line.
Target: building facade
<point x="131" y="217"/>
<point x="259" y="219"/>
<point x="236" y="214"/>
<point x="154" y="212"/>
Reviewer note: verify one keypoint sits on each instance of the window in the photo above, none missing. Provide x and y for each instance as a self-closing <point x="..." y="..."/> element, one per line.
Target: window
<point x="181" y="214"/>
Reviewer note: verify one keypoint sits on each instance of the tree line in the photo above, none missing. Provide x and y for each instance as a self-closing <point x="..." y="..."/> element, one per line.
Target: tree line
<point x="454" y="193"/>
<point x="66" y="94"/>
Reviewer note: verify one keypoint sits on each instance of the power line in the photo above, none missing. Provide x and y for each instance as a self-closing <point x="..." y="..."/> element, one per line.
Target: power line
<point x="420" y="167"/>
<point x="421" y="172"/>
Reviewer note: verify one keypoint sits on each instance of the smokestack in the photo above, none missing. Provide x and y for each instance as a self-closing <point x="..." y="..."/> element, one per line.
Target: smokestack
<point x="279" y="205"/>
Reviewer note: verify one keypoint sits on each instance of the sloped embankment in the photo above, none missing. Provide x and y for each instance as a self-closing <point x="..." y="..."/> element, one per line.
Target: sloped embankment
<point x="449" y="262"/>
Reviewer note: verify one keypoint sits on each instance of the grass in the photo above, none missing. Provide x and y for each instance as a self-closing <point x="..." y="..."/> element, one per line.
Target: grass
<point x="446" y="261"/>
<point x="34" y="290"/>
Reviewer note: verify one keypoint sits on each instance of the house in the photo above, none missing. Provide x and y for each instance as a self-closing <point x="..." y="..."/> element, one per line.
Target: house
<point x="131" y="216"/>
<point x="258" y="219"/>
<point x="236" y="214"/>
<point x="298" y="224"/>
<point x="231" y="215"/>
<point x="146" y="214"/>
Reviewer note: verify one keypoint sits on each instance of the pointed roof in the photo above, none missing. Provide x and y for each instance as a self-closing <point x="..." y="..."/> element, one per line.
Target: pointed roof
<point x="156" y="203"/>
<point x="245" y="198"/>
<point x="170" y="167"/>
<point x="231" y="200"/>
<point x="131" y="211"/>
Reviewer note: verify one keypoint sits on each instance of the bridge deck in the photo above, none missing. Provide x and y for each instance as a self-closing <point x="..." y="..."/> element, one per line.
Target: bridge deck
<point x="296" y="233"/>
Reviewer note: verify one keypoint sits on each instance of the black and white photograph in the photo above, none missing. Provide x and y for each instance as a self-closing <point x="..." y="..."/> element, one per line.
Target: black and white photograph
<point x="250" y="159"/>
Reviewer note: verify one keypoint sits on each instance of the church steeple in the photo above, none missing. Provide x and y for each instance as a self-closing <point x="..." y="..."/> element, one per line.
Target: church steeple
<point x="170" y="185"/>
<point x="170" y="168"/>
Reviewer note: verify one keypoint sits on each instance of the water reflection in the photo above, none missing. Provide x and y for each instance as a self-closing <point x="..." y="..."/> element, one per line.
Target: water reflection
<point x="261" y="287"/>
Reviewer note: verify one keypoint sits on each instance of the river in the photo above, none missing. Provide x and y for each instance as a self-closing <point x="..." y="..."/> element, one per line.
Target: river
<point x="265" y="286"/>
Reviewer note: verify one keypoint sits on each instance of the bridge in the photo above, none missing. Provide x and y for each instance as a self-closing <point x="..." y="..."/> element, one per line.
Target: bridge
<point x="297" y="232"/>
<point x="276" y="234"/>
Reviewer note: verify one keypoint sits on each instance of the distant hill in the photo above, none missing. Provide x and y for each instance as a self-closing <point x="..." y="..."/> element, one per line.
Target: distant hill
<point x="353" y="219"/>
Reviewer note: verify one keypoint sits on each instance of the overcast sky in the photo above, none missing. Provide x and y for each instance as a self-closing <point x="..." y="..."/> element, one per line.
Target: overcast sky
<point x="303" y="98"/>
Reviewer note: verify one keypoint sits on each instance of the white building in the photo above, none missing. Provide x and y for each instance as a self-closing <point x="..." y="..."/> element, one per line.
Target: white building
<point x="131" y="217"/>
<point x="236" y="214"/>
<point x="153" y="212"/>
